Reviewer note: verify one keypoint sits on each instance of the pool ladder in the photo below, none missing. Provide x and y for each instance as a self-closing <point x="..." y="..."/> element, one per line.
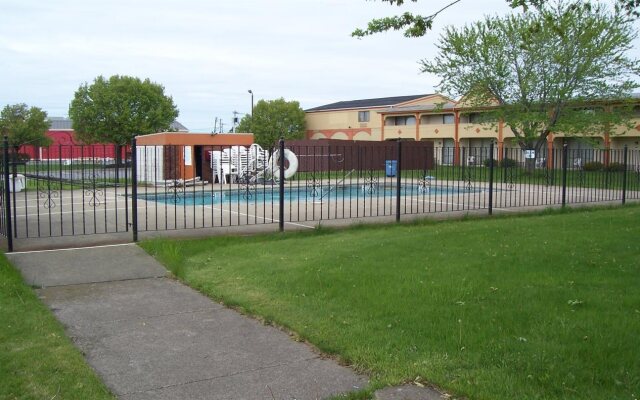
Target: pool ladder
<point x="338" y="183"/>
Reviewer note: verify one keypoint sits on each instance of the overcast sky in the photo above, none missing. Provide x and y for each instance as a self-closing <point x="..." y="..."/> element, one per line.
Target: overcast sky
<point x="208" y="53"/>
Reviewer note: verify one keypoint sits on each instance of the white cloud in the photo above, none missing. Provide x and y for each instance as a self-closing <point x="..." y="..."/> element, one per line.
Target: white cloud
<point x="208" y="53"/>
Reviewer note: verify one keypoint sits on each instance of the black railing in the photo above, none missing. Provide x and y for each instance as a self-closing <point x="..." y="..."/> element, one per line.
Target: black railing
<point x="6" y="225"/>
<point x="68" y="190"/>
<point x="79" y="190"/>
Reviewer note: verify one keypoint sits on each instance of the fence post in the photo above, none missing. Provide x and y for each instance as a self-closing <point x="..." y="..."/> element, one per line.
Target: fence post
<point x="134" y="190"/>
<point x="7" y="195"/>
<point x="504" y="165"/>
<point x="14" y="174"/>
<point x="624" y="175"/>
<point x="126" y="189"/>
<point x="463" y="162"/>
<point x="398" y="180"/>
<point x="281" y="184"/>
<point x="564" y="173"/>
<point x="491" y="178"/>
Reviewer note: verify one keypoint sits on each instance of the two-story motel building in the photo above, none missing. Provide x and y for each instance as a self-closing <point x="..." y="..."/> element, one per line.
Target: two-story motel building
<point x="444" y="121"/>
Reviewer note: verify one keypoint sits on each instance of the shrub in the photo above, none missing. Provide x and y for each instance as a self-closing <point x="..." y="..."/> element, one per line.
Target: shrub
<point x="593" y="166"/>
<point x="508" y="163"/>
<point x="615" y="167"/>
<point x="19" y="158"/>
<point x="487" y="162"/>
<point x="504" y="163"/>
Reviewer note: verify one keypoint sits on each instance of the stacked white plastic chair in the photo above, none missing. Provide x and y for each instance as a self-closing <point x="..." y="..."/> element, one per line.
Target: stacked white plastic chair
<point x="227" y="164"/>
<point x="240" y="158"/>
<point x="222" y="165"/>
<point x="238" y="161"/>
<point x="258" y="157"/>
<point x="216" y="166"/>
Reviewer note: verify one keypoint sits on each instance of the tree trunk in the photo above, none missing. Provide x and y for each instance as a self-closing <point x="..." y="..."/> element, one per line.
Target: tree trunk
<point x="530" y="163"/>
<point x="118" y="155"/>
<point x="13" y="159"/>
<point x="530" y="158"/>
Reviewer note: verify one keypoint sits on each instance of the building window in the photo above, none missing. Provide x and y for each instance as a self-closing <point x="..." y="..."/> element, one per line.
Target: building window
<point x="474" y="118"/>
<point x="363" y="116"/>
<point x="401" y="120"/>
<point x="437" y="119"/>
<point x="478" y="118"/>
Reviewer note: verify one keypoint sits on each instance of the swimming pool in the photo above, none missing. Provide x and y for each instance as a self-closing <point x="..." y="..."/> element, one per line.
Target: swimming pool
<point x="318" y="194"/>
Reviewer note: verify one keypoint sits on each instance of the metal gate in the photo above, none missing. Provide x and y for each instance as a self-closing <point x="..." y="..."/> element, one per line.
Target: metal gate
<point x="67" y="190"/>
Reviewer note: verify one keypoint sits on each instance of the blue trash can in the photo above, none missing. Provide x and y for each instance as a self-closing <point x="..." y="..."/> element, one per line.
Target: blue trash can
<point x="391" y="167"/>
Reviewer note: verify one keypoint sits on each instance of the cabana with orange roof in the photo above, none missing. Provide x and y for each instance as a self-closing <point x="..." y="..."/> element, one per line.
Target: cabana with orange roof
<point x="179" y="156"/>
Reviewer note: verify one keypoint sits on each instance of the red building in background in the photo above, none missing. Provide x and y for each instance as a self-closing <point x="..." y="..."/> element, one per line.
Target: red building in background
<point x="65" y="146"/>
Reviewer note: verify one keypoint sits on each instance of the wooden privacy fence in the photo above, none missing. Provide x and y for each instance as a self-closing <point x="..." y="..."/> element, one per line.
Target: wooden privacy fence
<point x="337" y="155"/>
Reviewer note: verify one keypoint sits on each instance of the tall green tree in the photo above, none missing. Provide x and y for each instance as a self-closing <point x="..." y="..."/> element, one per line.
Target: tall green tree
<point x="273" y="119"/>
<point x="417" y="25"/>
<point x="24" y="125"/>
<point x="244" y="125"/>
<point x="557" y="69"/>
<point x="115" y="110"/>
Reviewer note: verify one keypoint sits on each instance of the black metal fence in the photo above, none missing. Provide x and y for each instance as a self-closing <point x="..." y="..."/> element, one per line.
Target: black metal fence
<point x="54" y="196"/>
<point x="159" y="188"/>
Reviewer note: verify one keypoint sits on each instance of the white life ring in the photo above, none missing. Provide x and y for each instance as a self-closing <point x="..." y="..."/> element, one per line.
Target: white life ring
<point x="274" y="163"/>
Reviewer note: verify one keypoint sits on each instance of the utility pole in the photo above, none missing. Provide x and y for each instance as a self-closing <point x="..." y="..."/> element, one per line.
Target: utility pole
<point x="235" y="121"/>
<point x="251" y="120"/>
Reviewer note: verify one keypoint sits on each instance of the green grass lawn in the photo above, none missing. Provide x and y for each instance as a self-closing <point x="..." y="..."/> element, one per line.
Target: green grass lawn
<point x="37" y="360"/>
<point x="533" y="307"/>
<point x="501" y="176"/>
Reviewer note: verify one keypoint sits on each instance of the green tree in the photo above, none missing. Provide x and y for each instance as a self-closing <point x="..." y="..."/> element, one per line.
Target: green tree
<point x="416" y="25"/>
<point x="24" y="126"/>
<point x="272" y="120"/>
<point x="557" y="69"/>
<point x="244" y="125"/>
<point x="117" y="109"/>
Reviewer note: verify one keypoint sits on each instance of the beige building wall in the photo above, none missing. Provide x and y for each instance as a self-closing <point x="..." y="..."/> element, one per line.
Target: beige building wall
<point x="340" y="119"/>
<point x="448" y="127"/>
<point x="621" y="137"/>
<point x="343" y="125"/>
<point x="437" y="131"/>
<point x="335" y="124"/>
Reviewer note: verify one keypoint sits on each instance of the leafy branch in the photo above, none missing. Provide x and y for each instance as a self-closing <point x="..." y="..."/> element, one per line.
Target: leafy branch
<point x="416" y="25"/>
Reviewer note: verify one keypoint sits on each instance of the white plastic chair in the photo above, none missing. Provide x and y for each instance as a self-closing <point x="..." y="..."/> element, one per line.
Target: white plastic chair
<point x="577" y="162"/>
<point x="222" y="165"/>
<point x="471" y="160"/>
<point x="240" y="158"/>
<point x="216" y="167"/>
<point x="258" y="157"/>
<point x="227" y="165"/>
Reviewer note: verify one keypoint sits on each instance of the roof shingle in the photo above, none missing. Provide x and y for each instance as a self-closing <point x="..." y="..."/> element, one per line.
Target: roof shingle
<point x="366" y="103"/>
<point x="59" y="123"/>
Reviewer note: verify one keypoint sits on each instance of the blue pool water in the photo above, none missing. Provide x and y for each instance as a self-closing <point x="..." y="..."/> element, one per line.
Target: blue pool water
<point x="302" y="194"/>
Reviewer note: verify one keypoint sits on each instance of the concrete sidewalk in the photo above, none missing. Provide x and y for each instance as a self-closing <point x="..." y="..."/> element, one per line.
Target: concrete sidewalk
<point x="150" y="337"/>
